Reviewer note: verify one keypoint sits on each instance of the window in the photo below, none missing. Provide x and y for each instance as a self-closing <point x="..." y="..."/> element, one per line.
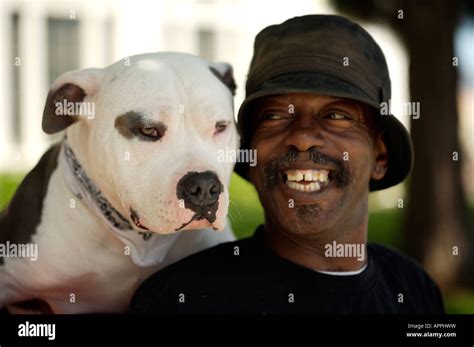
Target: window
<point x="63" y="47"/>
<point x="207" y="39"/>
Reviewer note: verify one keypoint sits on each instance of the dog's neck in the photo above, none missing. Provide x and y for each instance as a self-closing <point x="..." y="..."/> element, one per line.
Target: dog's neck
<point x="85" y="151"/>
<point x="146" y="248"/>
<point x="113" y="217"/>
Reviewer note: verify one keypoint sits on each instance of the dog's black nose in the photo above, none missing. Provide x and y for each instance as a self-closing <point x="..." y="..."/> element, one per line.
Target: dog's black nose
<point x="200" y="192"/>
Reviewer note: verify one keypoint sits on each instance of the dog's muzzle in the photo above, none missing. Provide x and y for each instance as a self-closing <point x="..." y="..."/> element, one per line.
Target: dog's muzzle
<point x="200" y="192"/>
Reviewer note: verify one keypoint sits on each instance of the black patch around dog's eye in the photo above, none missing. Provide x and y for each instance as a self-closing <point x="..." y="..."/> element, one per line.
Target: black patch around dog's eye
<point x="221" y="126"/>
<point x="129" y="125"/>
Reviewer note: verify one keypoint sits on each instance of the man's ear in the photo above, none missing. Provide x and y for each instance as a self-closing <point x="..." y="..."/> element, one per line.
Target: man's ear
<point x="225" y="74"/>
<point x="381" y="158"/>
<point x="72" y="86"/>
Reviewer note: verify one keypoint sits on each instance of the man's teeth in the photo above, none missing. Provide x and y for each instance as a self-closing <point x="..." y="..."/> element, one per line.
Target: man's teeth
<point x="307" y="175"/>
<point x="323" y="175"/>
<point x="311" y="187"/>
<point x="318" y="179"/>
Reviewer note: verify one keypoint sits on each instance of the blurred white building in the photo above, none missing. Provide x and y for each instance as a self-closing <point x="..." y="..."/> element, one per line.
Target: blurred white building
<point x="42" y="39"/>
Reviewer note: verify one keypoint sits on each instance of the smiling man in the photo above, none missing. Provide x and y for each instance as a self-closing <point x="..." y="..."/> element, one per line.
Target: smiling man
<point x="314" y="91"/>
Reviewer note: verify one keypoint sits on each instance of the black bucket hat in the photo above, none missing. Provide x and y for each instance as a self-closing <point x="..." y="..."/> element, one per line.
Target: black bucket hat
<point x="326" y="55"/>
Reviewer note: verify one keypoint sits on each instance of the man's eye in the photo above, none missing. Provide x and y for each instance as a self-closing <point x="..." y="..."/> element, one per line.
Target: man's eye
<point x="338" y="116"/>
<point x="272" y="116"/>
<point x="150" y="132"/>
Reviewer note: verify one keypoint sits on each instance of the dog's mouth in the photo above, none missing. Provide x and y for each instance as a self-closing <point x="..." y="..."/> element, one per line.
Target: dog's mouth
<point x="136" y="220"/>
<point x="187" y="223"/>
<point x="196" y="217"/>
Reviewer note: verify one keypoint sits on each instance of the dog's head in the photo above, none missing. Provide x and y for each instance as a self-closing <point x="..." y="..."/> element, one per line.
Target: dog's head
<point x="149" y="131"/>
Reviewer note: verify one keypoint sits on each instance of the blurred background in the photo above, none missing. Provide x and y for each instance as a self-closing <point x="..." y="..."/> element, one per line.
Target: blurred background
<point x="429" y="50"/>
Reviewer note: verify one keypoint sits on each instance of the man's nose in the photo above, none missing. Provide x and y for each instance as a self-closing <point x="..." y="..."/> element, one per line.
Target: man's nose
<point x="304" y="134"/>
<point x="200" y="191"/>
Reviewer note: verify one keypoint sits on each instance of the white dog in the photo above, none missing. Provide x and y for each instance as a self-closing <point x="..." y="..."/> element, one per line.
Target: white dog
<point x="107" y="206"/>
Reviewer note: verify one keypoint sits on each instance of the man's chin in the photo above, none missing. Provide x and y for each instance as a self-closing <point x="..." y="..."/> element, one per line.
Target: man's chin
<point x="309" y="214"/>
<point x="303" y="219"/>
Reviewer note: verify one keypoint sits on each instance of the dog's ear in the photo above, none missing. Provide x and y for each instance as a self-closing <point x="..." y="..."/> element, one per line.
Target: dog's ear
<point x="72" y="86"/>
<point x="225" y="74"/>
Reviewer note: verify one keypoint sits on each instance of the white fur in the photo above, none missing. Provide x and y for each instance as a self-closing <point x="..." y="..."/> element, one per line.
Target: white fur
<point x="77" y="255"/>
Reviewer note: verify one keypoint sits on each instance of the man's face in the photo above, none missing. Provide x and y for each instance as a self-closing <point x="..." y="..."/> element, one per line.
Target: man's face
<point x="316" y="156"/>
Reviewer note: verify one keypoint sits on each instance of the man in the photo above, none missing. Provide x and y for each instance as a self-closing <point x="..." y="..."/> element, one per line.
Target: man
<point x="314" y="90"/>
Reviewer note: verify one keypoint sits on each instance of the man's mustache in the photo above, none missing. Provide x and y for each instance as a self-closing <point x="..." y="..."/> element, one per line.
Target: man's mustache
<point x="340" y="171"/>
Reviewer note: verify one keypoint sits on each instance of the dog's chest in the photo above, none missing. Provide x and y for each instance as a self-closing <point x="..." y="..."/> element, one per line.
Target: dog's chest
<point x="81" y="266"/>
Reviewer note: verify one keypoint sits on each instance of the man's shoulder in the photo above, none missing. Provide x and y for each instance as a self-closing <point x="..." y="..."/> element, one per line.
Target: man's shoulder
<point x="222" y="250"/>
<point x="403" y="272"/>
<point x="203" y="270"/>
<point x="213" y="259"/>
<point x="409" y="278"/>
<point x="390" y="257"/>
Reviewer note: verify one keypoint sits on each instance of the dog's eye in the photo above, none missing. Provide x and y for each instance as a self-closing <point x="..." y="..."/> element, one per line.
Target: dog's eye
<point x="150" y="132"/>
<point x="221" y="126"/>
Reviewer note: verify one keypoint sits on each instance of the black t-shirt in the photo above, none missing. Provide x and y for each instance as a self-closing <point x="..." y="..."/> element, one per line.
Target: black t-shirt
<point x="246" y="276"/>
